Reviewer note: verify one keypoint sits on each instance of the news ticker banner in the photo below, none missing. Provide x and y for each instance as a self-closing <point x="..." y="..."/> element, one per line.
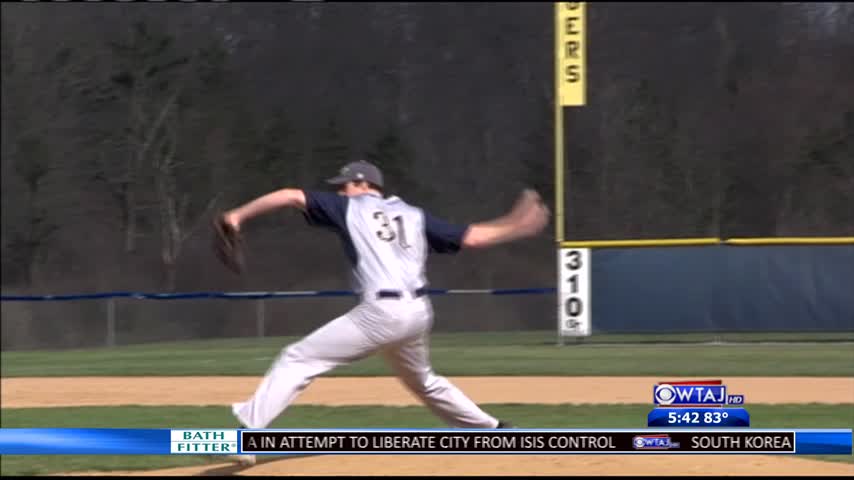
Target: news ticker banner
<point x="105" y="441"/>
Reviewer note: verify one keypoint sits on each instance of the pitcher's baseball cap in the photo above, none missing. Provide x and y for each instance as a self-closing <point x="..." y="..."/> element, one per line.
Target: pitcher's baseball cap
<point x="358" y="171"/>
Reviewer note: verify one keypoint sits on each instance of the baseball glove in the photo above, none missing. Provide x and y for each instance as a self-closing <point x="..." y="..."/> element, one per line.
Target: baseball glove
<point x="228" y="244"/>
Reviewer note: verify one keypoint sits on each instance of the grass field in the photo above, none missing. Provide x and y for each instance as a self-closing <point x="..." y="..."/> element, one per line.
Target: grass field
<point x="457" y="354"/>
<point x="461" y="354"/>
<point x="524" y="416"/>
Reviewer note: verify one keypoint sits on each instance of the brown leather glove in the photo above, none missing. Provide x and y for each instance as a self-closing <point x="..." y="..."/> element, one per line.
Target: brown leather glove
<point x="228" y="244"/>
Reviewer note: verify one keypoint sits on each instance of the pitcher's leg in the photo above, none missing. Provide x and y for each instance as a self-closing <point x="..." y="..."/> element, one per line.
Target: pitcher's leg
<point x="337" y="343"/>
<point x="411" y="362"/>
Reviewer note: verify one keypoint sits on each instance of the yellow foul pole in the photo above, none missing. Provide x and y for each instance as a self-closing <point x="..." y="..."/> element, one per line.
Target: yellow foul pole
<point x="558" y="132"/>
<point x="570" y="89"/>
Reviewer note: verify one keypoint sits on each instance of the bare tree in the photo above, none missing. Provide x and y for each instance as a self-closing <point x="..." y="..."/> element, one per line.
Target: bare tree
<point x="155" y="81"/>
<point x="177" y="221"/>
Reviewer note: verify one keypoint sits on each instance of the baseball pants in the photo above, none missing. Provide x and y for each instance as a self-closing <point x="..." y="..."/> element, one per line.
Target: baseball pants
<point x="398" y="329"/>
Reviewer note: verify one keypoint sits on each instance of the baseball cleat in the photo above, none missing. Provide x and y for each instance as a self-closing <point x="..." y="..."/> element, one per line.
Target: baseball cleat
<point x="244" y="460"/>
<point x="503" y="424"/>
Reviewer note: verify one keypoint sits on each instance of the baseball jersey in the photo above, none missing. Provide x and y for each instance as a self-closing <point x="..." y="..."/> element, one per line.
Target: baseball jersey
<point x="386" y="239"/>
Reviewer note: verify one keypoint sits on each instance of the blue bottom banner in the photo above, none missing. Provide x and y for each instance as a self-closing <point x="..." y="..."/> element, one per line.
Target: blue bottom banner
<point x="83" y="441"/>
<point x="106" y="441"/>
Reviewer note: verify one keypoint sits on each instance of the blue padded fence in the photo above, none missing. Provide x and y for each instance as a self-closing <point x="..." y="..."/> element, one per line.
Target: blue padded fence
<point x="260" y="295"/>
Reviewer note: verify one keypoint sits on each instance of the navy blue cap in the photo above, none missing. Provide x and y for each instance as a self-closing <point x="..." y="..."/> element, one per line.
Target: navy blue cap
<point x="358" y="171"/>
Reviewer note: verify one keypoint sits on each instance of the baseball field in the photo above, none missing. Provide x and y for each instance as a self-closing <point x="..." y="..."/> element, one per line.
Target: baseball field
<point x="789" y="381"/>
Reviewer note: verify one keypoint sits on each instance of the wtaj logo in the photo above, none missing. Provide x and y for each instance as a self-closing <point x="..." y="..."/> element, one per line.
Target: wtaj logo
<point x="704" y="393"/>
<point x="654" y="442"/>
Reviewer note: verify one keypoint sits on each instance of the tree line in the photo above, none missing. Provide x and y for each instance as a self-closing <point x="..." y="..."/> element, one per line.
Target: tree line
<point x="124" y="127"/>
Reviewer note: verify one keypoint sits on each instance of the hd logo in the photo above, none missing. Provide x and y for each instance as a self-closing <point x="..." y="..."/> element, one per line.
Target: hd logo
<point x="706" y="393"/>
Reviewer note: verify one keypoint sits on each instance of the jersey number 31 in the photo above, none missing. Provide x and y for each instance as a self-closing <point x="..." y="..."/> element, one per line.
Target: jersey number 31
<point x="387" y="232"/>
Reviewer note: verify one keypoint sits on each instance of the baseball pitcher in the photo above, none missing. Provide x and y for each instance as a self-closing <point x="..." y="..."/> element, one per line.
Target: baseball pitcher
<point x="387" y="242"/>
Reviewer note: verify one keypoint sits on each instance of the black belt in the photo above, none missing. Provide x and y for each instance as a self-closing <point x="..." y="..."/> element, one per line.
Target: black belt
<point x="398" y="294"/>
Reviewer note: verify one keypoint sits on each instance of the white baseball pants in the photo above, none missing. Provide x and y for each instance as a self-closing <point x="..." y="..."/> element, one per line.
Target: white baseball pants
<point x="397" y="328"/>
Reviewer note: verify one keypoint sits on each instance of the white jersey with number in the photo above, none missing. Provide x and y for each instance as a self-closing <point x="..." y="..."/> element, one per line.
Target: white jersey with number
<point x="389" y="238"/>
<point x="386" y="239"/>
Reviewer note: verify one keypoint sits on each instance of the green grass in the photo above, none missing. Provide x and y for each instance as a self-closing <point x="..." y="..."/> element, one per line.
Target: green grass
<point x="495" y="353"/>
<point x="524" y="416"/>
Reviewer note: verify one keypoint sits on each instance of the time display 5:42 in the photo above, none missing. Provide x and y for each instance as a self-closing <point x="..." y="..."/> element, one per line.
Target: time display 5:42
<point x="696" y="418"/>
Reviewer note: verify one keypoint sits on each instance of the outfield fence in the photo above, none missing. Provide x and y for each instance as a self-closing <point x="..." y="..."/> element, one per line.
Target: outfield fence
<point x="112" y="300"/>
<point x="688" y="286"/>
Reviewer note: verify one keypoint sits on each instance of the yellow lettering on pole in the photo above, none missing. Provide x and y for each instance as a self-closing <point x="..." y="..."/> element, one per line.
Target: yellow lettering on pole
<point x="570" y="53"/>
